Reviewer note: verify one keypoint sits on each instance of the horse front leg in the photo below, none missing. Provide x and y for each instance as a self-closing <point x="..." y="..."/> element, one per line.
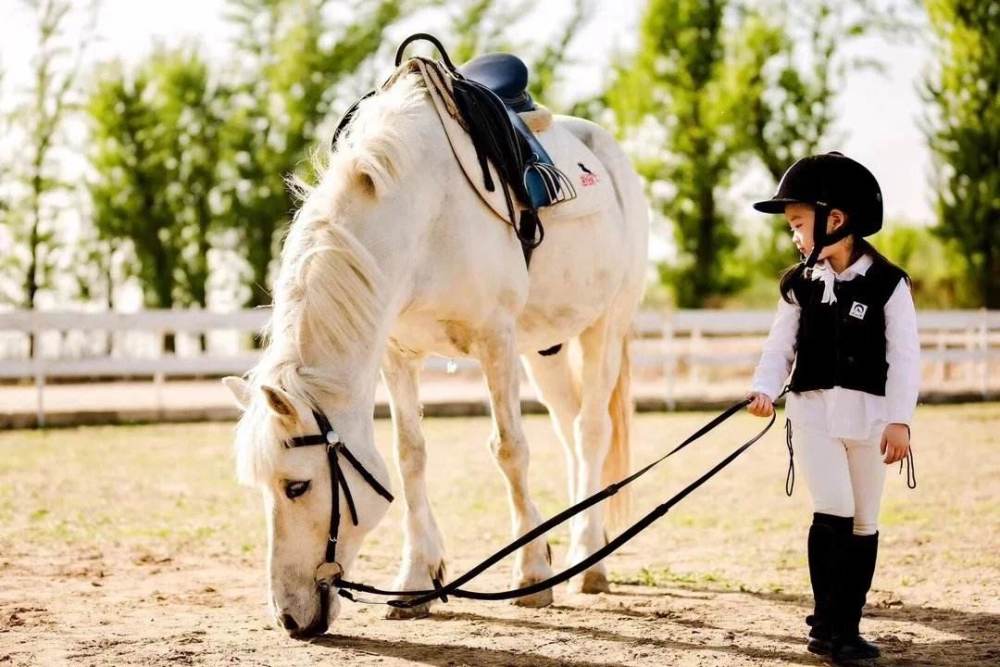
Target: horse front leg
<point x="423" y="548"/>
<point x="499" y="359"/>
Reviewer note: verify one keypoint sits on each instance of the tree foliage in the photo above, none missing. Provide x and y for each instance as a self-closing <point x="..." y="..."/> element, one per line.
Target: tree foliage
<point x="482" y="26"/>
<point x="294" y="56"/>
<point x="675" y="95"/>
<point x="721" y="86"/>
<point x="963" y="128"/>
<point x="792" y="61"/>
<point x="37" y="174"/>
<point x="155" y="149"/>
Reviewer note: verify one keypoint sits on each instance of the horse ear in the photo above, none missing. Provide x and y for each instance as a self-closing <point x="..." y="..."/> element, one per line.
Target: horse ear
<point x="368" y="177"/>
<point x="239" y="388"/>
<point x="367" y="184"/>
<point x="278" y="401"/>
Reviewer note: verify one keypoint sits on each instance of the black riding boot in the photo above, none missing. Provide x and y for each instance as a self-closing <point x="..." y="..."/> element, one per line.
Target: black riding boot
<point x="848" y="644"/>
<point x="828" y="537"/>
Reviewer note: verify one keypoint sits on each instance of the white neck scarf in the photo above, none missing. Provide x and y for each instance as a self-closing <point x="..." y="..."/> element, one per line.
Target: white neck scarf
<point x="822" y="271"/>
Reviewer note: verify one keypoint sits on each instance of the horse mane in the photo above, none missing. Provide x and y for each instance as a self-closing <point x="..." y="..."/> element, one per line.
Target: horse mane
<point x="328" y="294"/>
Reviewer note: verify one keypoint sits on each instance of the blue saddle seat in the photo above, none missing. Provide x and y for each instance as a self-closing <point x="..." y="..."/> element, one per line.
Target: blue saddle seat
<point x="504" y="74"/>
<point x="507" y="76"/>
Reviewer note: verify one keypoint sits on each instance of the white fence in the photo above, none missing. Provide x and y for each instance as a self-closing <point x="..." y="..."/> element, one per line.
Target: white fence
<point x="696" y="344"/>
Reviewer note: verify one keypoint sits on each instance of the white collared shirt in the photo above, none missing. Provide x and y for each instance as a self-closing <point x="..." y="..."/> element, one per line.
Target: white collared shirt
<point x="840" y="412"/>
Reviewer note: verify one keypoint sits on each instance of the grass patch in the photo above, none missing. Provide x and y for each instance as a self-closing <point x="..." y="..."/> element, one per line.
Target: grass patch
<point x="664" y="577"/>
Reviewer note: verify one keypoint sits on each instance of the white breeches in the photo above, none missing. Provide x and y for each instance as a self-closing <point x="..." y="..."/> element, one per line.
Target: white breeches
<point x="845" y="477"/>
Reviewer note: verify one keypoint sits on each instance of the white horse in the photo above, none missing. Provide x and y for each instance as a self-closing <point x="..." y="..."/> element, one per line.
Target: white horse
<point x="393" y="256"/>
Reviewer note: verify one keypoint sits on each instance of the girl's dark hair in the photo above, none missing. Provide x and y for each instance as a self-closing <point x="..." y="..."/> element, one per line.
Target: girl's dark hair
<point x="861" y="247"/>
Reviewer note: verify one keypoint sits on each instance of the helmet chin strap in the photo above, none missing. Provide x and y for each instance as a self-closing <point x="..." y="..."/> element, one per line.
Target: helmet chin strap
<point x="821" y="238"/>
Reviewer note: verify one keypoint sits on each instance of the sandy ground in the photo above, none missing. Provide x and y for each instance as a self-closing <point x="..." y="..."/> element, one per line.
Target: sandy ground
<point x="133" y="545"/>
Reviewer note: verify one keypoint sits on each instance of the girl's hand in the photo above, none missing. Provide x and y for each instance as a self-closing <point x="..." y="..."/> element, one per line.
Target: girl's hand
<point x="760" y="405"/>
<point x="895" y="442"/>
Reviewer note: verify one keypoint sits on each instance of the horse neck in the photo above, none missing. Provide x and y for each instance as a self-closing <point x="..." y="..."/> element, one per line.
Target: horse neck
<point x="391" y="231"/>
<point x="355" y="366"/>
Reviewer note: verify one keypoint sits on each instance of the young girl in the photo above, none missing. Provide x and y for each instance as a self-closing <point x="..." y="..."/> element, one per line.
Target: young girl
<point x="846" y="322"/>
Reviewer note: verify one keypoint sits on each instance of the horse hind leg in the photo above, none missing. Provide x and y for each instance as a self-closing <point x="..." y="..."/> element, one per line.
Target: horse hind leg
<point x="498" y="356"/>
<point x="604" y="361"/>
<point x="423" y="547"/>
<point x="557" y="389"/>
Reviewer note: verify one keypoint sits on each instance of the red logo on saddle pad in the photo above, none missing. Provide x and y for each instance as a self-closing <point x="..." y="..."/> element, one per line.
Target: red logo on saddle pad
<point x="587" y="178"/>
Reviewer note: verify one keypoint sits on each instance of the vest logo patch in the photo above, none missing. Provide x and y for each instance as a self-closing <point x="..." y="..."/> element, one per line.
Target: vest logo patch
<point x="858" y="310"/>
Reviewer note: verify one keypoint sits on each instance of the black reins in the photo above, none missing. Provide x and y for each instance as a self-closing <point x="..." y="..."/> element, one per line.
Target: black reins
<point x="415" y="598"/>
<point x="329" y="573"/>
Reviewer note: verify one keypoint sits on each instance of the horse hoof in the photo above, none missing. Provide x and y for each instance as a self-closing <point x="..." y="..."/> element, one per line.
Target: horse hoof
<point x="535" y="600"/>
<point x="590" y="583"/>
<point x="408" y="613"/>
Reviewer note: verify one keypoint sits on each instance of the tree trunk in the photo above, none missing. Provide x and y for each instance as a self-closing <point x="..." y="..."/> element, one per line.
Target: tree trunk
<point x="31" y="277"/>
<point x="259" y="294"/>
<point x="164" y="291"/>
<point x="991" y="275"/>
<point x="109" y="339"/>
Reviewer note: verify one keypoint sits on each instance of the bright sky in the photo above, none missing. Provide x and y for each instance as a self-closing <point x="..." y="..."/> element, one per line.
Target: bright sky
<point x="878" y="114"/>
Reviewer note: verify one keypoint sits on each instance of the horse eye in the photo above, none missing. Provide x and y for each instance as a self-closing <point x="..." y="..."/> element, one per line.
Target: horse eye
<point x="295" y="489"/>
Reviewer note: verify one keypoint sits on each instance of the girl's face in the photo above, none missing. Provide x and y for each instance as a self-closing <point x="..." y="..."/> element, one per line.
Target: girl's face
<point x="802" y="217"/>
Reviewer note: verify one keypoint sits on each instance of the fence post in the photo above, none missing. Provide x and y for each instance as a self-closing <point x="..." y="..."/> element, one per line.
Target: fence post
<point x="942" y="363"/>
<point x="38" y="368"/>
<point x="697" y="348"/>
<point x="984" y="352"/>
<point x="670" y="360"/>
<point x="158" y="377"/>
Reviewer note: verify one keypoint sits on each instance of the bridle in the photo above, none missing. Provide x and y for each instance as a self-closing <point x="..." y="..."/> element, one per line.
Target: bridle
<point x="329" y="572"/>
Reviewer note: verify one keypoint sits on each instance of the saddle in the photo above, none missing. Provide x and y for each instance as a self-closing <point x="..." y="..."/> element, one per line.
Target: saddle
<point x="504" y="74"/>
<point x="506" y="150"/>
<point x="507" y="76"/>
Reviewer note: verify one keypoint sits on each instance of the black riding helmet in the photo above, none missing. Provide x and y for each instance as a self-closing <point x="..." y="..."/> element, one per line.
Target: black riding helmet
<point x="828" y="181"/>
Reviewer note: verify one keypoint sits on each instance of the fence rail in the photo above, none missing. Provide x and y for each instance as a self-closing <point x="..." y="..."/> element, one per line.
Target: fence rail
<point x="695" y="342"/>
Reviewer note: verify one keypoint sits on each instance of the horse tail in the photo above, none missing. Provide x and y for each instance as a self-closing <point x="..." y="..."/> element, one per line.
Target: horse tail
<point x="618" y="462"/>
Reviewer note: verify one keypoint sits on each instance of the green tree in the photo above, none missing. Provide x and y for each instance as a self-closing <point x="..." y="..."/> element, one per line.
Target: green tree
<point x="191" y="107"/>
<point x="722" y="86"/>
<point x="130" y="179"/>
<point x="963" y="127"/>
<point x="546" y="65"/>
<point x="936" y="269"/>
<point x="294" y="61"/>
<point x="790" y="61"/>
<point x="5" y="170"/>
<point x="156" y="144"/>
<point x="37" y="176"/>
<point x="481" y="26"/>
<point x="675" y="95"/>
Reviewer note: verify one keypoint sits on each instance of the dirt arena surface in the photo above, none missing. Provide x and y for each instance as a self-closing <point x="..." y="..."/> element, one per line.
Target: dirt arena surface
<point x="134" y="545"/>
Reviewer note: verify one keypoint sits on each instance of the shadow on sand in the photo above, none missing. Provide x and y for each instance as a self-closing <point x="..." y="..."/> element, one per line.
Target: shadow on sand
<point x="978" y="641"/>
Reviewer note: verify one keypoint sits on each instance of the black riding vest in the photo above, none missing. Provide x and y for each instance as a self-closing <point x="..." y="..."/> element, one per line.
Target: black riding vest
<point x="843" y="344"/>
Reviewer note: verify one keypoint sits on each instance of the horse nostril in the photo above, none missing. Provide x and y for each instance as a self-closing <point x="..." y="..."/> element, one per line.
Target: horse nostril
<point x="288" y="622"/>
